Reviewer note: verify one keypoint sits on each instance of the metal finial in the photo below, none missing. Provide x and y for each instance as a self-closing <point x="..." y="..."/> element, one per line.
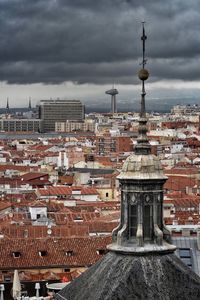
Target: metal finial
<point x="143" y="38"/>
<point x="143" y="146"/>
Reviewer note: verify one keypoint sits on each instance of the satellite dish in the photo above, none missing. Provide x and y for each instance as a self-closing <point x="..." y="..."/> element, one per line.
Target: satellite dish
<point x="10" y="215"/>
<point x="49" y="231"/>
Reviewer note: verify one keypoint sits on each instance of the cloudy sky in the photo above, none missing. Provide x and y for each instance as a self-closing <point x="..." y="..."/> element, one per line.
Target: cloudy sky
<point x="79" y="48"/>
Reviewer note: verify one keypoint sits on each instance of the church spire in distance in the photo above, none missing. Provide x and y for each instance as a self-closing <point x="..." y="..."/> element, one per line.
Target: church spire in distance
<point x="7" y="105"/>
<point x="29" y="104"/>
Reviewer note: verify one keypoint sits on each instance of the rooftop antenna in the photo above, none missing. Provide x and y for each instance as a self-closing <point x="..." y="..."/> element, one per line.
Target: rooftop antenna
<point x="143" y="146"/>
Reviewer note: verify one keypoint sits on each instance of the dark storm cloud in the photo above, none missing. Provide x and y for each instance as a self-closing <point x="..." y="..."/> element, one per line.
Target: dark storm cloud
<point x="97" y="41"/>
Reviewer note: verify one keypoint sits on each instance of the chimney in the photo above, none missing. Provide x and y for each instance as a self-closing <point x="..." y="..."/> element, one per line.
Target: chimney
<point x="26" y="233"/>
<point x="186" y="232"/>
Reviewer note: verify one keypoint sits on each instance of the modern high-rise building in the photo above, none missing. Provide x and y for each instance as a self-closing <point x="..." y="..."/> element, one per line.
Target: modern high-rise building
<point x="52" y="111"/>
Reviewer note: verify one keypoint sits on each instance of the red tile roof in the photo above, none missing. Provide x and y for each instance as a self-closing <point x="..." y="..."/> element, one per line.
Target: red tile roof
<point x="69" y="217"/>
<point x="187" y="171"/>
<point x="183" y="201"/>
<point x="39" y="232"/>
<point x="3" y="168"/>
<point x="33" y="175"/>
<point x="40" y="148"/>
<point x="179" y="183"/>
<point x="84" y="252"/>
<point x="98" y="227"/>
<point x="64" y="190"/>
<point x="4" y="205"/>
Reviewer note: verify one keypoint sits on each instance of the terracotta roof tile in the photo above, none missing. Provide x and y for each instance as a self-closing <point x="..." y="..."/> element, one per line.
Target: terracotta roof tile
<point x="38" y="232"/>
<point x="4" y="205"/>
<point x="64" y="190"/>
<point x="3" y="168"/>
<point x="33" y="175"/>
<point x="82" y="252"/>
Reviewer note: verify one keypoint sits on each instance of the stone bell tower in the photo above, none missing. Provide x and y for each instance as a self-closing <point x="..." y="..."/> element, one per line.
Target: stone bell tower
<point x="141" y="227"/>
<point x="141" y="264"/>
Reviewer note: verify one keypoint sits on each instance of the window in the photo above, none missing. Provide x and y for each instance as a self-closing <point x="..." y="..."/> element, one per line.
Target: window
<point x="16" y="254"/>
<point x="132" y="220"/>
<point x="42" y="253"/>
<point x="7" y="278"/>
<point x="186" y="256"/>
<point x="106" y="194"/>
<point x="148" y="221"/>
<point x="66" y="270"/>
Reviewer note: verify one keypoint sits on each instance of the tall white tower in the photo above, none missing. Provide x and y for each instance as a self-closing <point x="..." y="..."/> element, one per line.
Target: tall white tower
<point x="113" y="92"/>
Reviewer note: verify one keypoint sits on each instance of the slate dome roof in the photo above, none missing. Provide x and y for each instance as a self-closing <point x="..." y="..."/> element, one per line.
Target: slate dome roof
<point x="128" y="277"/>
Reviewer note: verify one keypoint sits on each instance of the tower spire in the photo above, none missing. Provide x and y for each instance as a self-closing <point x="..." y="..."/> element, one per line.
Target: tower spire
<point x="143" y="146"/>
<point x="141" y="229"/>
<point x="143" y="38"/>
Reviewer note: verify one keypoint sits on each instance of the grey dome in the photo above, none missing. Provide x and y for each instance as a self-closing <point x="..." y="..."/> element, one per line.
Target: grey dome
<point x="142" y="167"/>
<point x="130" y="277"/>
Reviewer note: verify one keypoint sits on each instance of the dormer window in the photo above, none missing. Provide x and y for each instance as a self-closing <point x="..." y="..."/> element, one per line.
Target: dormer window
<point x="16" y="254"/>
<point x="42" y="253"/>
<point x="101" y="251"/>
<point x="69" y="253"/>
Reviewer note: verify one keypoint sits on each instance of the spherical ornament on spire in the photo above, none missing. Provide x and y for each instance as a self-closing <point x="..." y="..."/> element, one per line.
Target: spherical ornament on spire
<point x="143" y="74"/>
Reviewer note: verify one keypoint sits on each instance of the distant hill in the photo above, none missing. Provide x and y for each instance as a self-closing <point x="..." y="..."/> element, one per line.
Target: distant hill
<point x="157" y="105"/>
<point x="103" y="105"/>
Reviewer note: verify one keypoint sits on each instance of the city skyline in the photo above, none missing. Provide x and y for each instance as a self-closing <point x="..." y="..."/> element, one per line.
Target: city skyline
<point x="75" y="50"/>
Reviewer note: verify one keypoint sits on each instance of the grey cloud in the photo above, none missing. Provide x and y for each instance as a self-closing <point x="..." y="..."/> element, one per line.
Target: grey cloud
<point x="97" y="41"/>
